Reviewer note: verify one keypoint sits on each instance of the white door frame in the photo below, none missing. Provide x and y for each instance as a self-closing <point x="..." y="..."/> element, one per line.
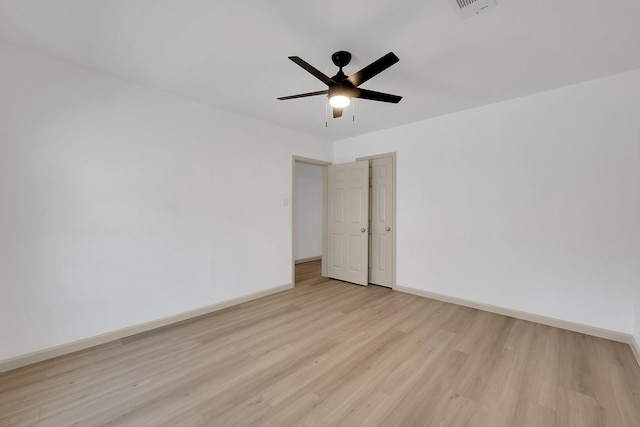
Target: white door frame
<point x="393" y="204"/>
<point x="323" y="164"/>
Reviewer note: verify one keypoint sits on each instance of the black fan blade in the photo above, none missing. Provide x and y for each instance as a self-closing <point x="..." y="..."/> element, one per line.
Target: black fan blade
<point x="317" y="73"/>
<point x="337" y="112"/>
<point x="379" y="96"/>
<point x="373" y="69"/>
<point x="302" y="95"/>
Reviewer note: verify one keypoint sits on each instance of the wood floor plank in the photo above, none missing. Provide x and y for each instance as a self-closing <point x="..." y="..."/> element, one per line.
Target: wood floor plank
<point x="331" y="353"/>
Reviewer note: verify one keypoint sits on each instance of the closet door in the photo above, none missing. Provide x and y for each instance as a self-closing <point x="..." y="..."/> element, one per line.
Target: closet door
<point x="381" y="249"/>
<point x="347" y="224"/>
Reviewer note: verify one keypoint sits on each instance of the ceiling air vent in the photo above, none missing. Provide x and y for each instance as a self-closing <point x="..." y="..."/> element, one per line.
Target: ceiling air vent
<point x="469" y="8"/>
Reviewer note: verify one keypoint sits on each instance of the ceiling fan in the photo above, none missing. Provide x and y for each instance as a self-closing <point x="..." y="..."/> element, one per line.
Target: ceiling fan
<point x="341" y="88"/>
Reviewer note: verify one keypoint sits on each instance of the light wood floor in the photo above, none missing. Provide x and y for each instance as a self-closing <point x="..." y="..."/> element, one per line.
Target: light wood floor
<point x="329" y="353"/>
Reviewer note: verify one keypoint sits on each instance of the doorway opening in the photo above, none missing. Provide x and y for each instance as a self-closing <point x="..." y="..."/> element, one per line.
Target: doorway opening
<point x="308" y="211"/>
<point x="363" y="247"/>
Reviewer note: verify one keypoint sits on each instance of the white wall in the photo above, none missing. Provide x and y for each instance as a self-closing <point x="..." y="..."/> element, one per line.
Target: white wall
<point x="530" y="204"/>
<point x="121" y="205"/>
<point x="307" y="211"/>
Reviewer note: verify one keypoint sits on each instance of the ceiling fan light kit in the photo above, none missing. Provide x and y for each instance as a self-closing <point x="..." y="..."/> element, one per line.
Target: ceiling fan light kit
<point x="339" y="101"/>
<point x="342" y="88"/>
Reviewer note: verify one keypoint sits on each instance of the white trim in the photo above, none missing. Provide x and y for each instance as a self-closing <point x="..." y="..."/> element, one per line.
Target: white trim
<point x="550" y="321"/>
<point x="303" y="260"/>
<point x="49" y="353"/>
<point x="325" y="216"/>
<point x="635" y="348"/>
<point x="309" y="161"/>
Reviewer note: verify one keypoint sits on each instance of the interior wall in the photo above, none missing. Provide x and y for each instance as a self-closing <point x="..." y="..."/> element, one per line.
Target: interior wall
<point x="121" y="205"/>
<point x="529" y="204"/>
<point x="307" y="211"/>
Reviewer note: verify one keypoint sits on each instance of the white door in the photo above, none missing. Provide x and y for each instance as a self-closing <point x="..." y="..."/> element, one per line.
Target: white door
<point x="381" y="249"/>
<point x="347" y="222"/>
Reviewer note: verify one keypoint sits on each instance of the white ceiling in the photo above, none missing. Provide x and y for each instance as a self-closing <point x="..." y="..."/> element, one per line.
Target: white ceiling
<point x="233" y="54"/>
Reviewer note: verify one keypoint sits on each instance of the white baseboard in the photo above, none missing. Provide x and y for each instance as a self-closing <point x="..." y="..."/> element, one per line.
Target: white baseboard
<point x="550" y="321"/>
<point x="49" y="353"/>
<point x="635" y="347"/>
<point x="303" y="260"/>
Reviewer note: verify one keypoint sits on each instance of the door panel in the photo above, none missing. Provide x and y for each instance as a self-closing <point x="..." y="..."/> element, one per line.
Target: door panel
<point x="348" y="208"/>
<point x="381" y="258"/>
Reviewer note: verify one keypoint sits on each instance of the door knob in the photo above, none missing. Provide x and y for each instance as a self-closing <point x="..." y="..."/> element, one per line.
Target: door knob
<point x="363" y="229"/>
<point x="387" y="228"/>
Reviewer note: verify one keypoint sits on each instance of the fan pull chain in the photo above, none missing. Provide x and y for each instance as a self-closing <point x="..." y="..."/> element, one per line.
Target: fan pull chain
<point x="326" y="113"/>
<point x="353" y="111"/>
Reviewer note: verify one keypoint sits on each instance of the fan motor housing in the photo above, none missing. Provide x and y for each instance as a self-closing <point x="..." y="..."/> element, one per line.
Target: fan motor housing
<point x="344" y="90"/>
